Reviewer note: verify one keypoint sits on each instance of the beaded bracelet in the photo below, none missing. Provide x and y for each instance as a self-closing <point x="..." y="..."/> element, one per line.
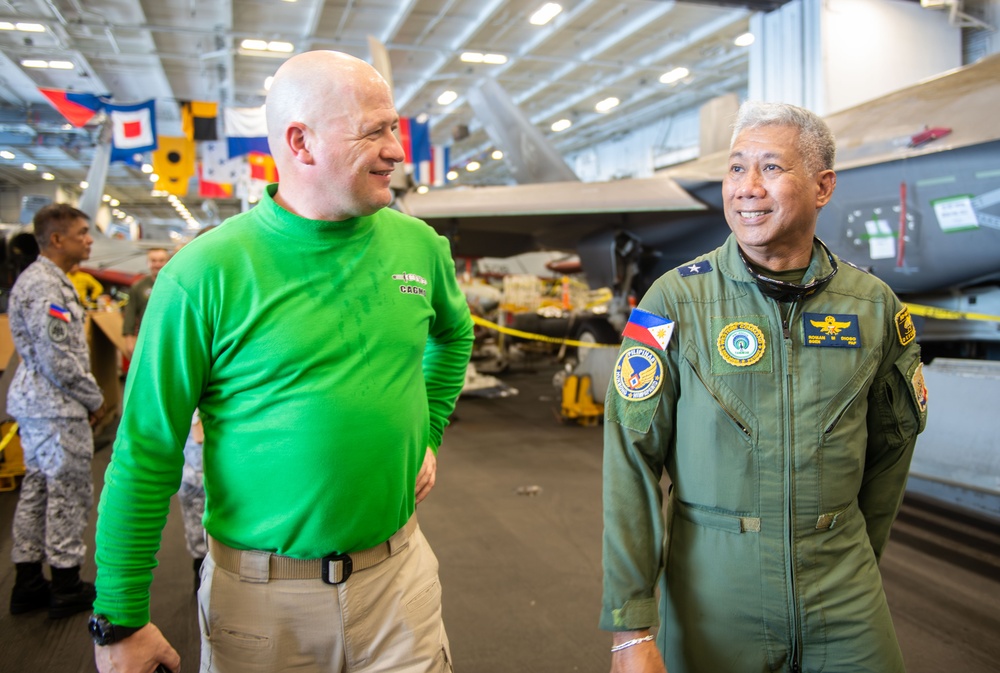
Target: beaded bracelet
<point x="630" y="643"/>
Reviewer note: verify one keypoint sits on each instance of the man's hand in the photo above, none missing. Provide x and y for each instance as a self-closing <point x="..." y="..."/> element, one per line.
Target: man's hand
<point x="130" y="340"/>
<point x="640" y="658"/>
<point x="97" y="416"/>
<point x="139" y="653"/>
<point x="427" y="476"/>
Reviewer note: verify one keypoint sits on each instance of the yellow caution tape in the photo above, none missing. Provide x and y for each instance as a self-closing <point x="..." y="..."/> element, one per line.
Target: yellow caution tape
<point x="947" y="314"/>
<point x="9" y="436"/>
<point x="915" y="309"/>
<point x="482" y="322"/>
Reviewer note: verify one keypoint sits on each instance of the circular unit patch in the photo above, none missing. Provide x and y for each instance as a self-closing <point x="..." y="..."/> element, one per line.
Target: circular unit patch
<point x="741" y="344"/>
<point x="58" y="331"/>
<point x="638" y="373"/>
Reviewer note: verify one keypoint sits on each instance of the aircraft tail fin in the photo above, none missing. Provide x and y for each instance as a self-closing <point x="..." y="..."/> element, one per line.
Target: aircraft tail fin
<point x="528" y="153"/>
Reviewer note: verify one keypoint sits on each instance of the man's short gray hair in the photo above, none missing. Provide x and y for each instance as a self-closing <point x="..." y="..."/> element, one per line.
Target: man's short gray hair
<point x="816" y="142"/>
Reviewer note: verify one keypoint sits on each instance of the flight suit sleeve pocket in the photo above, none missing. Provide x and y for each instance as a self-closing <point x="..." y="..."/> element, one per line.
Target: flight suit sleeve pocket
<point x="901" y="400"/>
<point x="631" y="414"/>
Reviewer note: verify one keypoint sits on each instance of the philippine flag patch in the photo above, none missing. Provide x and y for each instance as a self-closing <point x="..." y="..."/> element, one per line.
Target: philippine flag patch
<point x="58" y="312"/>
<point x="649" y="328"/>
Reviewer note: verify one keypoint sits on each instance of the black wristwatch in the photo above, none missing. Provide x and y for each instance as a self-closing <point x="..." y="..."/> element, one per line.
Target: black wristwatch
<point x="104" y="632"/>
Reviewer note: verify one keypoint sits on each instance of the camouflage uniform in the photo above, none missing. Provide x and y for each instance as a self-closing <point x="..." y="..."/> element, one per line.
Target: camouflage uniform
<point x="51" y="397"/>
<point x="192" y="497"/>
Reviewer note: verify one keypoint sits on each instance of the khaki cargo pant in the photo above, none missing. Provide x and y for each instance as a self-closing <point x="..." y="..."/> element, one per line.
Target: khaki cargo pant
<point x="387" y="617"/>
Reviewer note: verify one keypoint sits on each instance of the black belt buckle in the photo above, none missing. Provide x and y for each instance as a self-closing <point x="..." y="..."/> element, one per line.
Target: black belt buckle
<point x="328" y="564"/>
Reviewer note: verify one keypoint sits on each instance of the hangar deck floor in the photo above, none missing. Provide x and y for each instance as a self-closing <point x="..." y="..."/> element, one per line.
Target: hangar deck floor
<point x="522" y="573"/>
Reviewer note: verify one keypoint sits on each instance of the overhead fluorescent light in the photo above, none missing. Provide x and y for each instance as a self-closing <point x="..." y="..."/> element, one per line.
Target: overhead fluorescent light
<point x="607" y="104"/>
<point x="423" y="189"/>
<point x="675" y="75"/>
<point x="55" y="65"/>
<point x="472" y="166"/>
<point x="477" y="57"/>
<point x="48" y="176"/>
<point x="547" y="12"/>
<point x="447" y="98"/>
<point x="147" y="168"/>
<point x="6" y="25"/>
<point x="451" y="175"/>
<point x="28" y="166"/>
<point x="254" y="45"/>
<point x="280" y="47"/>
<point x="114" y="203"/>
<point x="84" y="184"/>
<point x="561" y="125"/>
<point x="106" y="198"/>
<point x="744" y="40"/>
<point x="30" y="27"/>
<point x="497" y="155"/>
<point x="7" y="154"/>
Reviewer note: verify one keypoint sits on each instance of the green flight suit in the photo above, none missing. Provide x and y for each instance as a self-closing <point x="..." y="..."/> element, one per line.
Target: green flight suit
<point x="786" y="430"/>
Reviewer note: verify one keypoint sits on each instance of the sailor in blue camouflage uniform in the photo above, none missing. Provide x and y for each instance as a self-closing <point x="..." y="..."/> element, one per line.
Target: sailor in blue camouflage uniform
<point x="782" y="392"/>
<point x="55" y="400"/>
<point x="192" y="497"/>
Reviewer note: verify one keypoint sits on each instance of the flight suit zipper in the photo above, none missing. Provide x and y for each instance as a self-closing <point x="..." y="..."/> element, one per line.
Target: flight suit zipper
<point x="786" y="332"/>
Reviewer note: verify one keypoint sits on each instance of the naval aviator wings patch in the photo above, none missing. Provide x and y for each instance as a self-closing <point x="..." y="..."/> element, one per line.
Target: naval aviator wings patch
<point x="831" y="330"/>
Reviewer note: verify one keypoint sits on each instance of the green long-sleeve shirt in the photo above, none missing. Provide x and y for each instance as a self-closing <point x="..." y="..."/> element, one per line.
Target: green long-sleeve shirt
<point x="787" y="432"/>
<point x="324" y="357"/>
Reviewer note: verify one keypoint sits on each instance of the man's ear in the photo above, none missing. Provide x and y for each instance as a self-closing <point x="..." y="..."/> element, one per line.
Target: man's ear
<point x="297" y="139"/>
<point x="826" y="182"/>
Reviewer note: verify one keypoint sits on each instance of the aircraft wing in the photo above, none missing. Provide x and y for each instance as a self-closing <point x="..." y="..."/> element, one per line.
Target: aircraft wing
<point x="957" y="104"/>
<point x="505" y="220"/>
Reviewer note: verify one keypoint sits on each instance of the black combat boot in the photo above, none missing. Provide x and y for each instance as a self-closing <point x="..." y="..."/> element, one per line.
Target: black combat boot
<point x="70" y="594"/>
<point x="197" y="573"/>
<point x="31" y="589"/>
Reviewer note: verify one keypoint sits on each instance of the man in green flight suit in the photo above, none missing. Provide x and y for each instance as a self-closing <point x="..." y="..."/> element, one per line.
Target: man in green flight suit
<point x="782" y="392"/>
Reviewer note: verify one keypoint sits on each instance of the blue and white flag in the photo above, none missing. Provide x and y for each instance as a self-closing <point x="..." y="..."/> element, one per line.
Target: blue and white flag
<point x="133" y="129"/>
<point x="246" y="130"/>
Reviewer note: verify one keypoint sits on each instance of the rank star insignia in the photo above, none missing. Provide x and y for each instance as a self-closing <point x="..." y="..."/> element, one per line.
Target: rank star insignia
<point x="695" y="268"/>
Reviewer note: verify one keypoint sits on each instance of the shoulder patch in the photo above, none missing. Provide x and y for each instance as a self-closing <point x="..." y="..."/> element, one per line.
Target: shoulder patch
<point x="58" y="331"/>
<point x="59" y="313"/>
<point x="695" y="268"/>
<point x="649" y="328"/>
<point x="919" y="387"/>
<point x="904" y="326"/>
<point x="638" y="373"/>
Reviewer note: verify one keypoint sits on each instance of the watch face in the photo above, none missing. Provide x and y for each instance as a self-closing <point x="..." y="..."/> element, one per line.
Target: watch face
<point x="100" y="630"/>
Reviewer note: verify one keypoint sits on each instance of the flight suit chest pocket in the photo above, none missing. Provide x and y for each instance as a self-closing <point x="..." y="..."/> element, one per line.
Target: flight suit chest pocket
<point x="709" y="397"/>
